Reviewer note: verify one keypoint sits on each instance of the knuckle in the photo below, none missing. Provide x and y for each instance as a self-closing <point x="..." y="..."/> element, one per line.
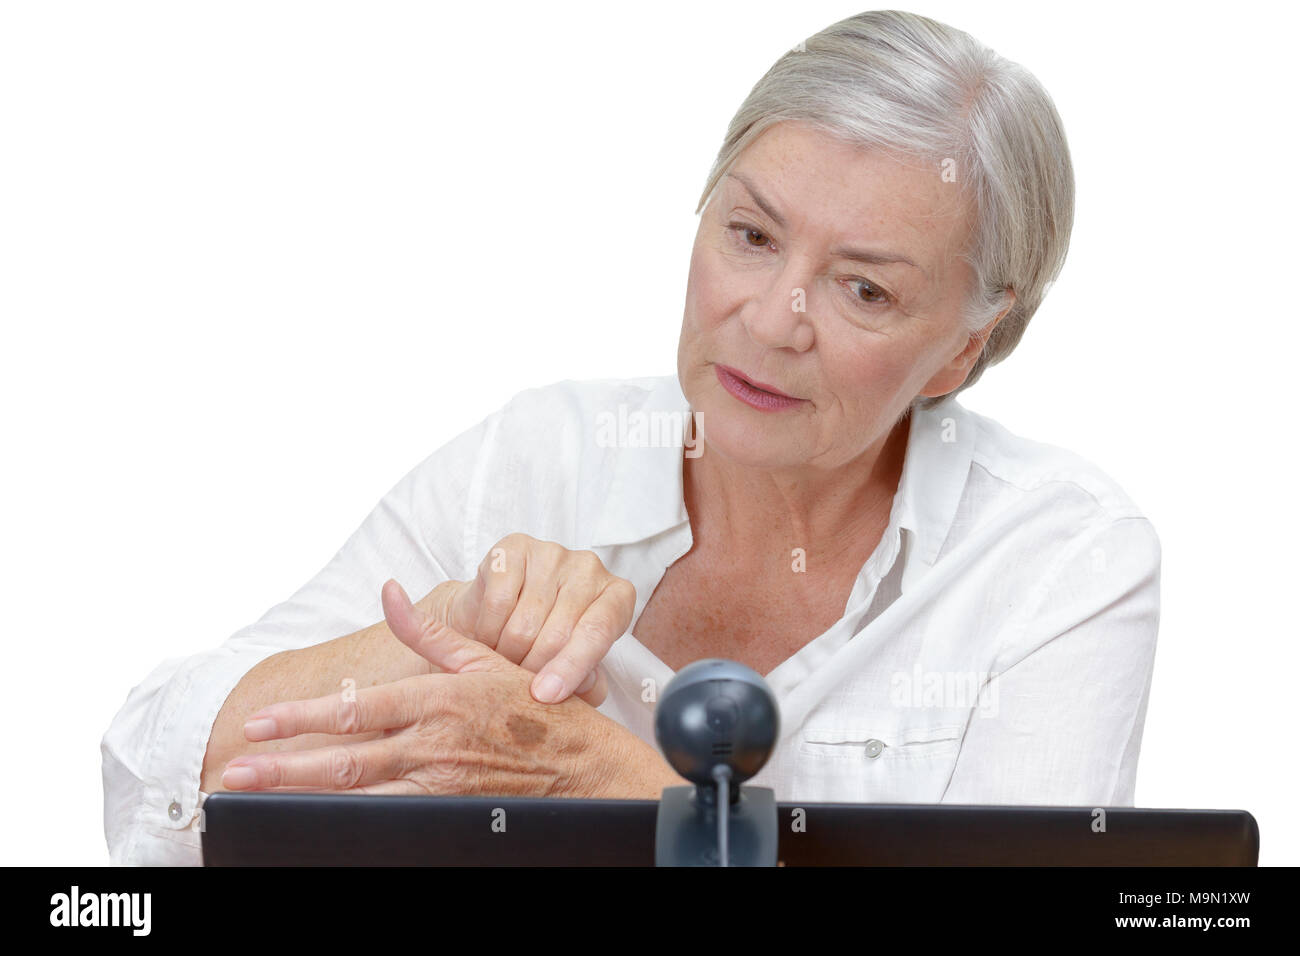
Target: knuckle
<point x="410" y="701"/>
<point x="549" y="641"/>
<point x="349" y="719"/>
<point x="345" y="768"/>
<point x="271" y="774"/>
<point x="445" y="777"/>
<point x="428" y="700"/>
<point x="595" y="632"/>
<point x="590" y="562"/>
<point x="519" y="629"/>
<point x="498" y="603"/>
<point x="432" y="603"/>
<point x="516" y="539"/>
<point x="547" y="557"/>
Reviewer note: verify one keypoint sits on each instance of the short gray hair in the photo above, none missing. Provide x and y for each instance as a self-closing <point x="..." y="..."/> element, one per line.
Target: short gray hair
<point x="905" y="83"/>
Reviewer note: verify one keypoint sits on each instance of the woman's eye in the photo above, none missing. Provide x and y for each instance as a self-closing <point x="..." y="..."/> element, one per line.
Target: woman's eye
<point x="748" y="236"/>
<point x="751" y="239"/>
<point x="867" y="293"/>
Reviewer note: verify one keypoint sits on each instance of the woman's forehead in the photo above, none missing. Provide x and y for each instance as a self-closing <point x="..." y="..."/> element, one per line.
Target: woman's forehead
<point x="805" y="164"/>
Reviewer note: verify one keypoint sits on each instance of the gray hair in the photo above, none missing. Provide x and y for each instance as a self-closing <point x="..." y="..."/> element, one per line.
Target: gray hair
<point x="904" y="83"/>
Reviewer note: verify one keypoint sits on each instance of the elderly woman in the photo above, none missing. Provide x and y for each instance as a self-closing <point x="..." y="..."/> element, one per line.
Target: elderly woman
<point x="945" y="611"/>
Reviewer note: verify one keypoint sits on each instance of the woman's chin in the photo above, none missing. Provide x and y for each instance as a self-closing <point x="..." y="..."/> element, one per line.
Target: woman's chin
<point x="738" y="438"/>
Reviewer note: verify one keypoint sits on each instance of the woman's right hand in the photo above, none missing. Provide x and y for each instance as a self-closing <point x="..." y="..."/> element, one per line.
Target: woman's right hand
<point x="550" y="610"/>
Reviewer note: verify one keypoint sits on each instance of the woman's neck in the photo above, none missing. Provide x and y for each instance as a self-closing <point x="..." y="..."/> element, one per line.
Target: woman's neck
<point x="757" y="518"/>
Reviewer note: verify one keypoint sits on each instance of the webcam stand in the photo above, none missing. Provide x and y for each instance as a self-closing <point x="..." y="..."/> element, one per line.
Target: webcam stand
<point x="688" y="834"/>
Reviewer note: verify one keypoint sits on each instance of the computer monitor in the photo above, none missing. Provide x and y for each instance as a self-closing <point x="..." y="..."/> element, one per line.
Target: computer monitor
<point x="271" y="828"/>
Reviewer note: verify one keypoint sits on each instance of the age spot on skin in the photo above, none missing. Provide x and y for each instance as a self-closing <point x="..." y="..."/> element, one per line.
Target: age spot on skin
<point x="526" y="731"/>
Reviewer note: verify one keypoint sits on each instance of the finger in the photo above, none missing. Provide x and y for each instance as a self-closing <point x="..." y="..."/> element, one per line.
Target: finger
<point x="384" y="707"/>
<point x="555" y="633"/>
<point x="341" y="767"/>
<point x="575" y="596"/>
<point x="501" y="576"/>
<point x="536" y="603"/>
<point x="441" y="602"/>
<point x="603" y="622"/>
<point x="437" y="643"/>
<point x="461" y="612"/>
<point x="594" y="689"/>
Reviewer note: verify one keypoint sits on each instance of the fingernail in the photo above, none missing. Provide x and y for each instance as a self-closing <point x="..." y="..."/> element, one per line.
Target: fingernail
<point x="549" y="689"/>
<point x="237" y="778"/>
<point x="259" y="728"/>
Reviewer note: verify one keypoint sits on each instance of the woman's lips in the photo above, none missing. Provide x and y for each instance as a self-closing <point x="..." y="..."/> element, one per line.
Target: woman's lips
<point x="754" y="395"/>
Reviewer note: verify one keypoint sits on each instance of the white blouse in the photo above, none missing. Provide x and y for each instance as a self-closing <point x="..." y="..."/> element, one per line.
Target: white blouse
<point x="997" y="646"/>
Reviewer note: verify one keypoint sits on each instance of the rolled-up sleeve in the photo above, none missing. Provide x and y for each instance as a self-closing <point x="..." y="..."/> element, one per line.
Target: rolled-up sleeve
<point x="153" y="751"/>
<point x="1060" y="722"/>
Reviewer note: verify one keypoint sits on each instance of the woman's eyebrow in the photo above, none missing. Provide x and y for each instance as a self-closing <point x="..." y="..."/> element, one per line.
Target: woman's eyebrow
<point x="874" y="258"/>
<point x="869" y="256"/>
<point x="763" y="204"/>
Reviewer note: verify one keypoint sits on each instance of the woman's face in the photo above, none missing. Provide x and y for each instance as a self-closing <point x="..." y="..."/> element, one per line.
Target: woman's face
<point x="833" y="274"/>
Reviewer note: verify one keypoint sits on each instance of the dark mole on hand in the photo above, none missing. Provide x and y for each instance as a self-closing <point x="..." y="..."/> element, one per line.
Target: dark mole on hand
<point x="526" y="731"/>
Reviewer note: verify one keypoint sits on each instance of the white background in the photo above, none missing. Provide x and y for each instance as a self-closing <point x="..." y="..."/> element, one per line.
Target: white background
<point x="258" y="259"/>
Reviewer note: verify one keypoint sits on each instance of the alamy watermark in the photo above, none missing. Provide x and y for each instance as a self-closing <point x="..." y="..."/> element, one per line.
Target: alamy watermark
<point x="659" y="429"/>
<point x="945" y="689"/>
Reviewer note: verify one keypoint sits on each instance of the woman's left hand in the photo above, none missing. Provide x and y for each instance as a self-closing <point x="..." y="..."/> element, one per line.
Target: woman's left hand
<point x="474" y="729"/>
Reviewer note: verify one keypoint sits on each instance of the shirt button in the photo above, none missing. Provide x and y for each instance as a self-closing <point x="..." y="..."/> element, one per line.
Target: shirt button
<point x="174" y="811"/>
<point x="874" y="747"/>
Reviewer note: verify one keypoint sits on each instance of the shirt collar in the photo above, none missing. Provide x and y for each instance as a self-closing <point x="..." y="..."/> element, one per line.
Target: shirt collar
<point x="940" y="446"/>
<point x="646" y="494"/>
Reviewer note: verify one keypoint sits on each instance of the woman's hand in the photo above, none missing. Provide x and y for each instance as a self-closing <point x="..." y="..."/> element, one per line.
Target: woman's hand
<point x="550" y="610"/>
<point x="470" y="730"/>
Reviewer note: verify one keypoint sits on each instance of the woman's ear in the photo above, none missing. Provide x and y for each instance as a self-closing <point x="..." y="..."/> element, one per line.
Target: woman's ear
<point x="980" y="337"/>
<point x="953" y="374"/>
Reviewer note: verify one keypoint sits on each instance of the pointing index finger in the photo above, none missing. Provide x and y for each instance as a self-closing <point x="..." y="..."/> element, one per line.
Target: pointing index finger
<point x="436" y="642"/>
<point x="595" y="633"/>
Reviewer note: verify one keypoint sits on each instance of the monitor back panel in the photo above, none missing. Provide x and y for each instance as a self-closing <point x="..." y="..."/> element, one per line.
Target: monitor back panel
<point x="281" y="829"/>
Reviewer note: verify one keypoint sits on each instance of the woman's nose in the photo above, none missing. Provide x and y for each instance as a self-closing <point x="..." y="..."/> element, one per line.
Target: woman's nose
<point x="777" y="314"/>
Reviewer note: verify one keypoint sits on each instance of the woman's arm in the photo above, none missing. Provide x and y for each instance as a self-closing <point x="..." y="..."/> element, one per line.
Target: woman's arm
<point x="472" y="728"/>
<point x="370" y="656"/>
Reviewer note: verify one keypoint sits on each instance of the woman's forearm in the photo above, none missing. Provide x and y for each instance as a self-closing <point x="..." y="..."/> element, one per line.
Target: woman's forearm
<point x="644" y="774"/>
<point x="373" y="656"/>
<point x="368" y="657"/>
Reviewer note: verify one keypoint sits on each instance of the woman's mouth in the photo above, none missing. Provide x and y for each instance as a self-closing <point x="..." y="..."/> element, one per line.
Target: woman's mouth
<point x="755" y="396"/>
